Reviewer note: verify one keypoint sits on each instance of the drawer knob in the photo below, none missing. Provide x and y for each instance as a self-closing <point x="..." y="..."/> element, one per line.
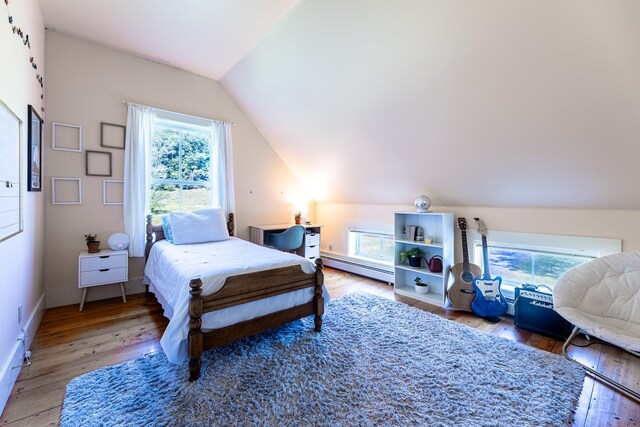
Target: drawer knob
<point x="105" y="269"/>
<point x="105" y="256"/>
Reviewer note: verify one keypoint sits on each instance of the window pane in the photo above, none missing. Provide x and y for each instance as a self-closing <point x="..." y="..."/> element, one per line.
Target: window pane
<point x="165" y="160"/>
<point x="512" y="264"/>
<point x="195" y="156"/>
<point x="164" y="198"/>
<point x="548" y="267"/>
<point x="374" y="246"/>
<point x="195" y="197"/>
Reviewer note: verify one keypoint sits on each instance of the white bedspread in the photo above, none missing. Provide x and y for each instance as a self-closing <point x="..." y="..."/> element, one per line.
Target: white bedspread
<point x="170" y="268"/>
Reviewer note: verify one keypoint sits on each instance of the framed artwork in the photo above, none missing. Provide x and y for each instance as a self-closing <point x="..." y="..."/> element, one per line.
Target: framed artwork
<point x="112" y="192"/>
<point x="34" y="153"/>
<point x="10" y="173"/>
<point x="98" y="163"/>
<point x="112" y="136"/>
<point x="66" y="191"/>
<point x="66" y="137"/>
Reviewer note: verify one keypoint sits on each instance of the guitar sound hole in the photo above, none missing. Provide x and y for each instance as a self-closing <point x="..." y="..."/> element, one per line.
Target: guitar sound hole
<point x="467" y="277"/>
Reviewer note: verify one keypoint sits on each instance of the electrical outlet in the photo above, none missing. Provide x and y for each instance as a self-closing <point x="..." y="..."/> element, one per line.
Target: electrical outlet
<point x="19" y="314"/>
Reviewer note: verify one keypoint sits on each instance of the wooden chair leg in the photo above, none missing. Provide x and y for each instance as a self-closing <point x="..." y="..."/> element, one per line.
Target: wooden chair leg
<point x="84" y="296"/>
<point x="124" y="295"/>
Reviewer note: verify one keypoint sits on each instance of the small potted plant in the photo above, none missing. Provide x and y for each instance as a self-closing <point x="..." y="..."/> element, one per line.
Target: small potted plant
<point x="93" y="245"/>
<point x="421" y="287"/>
<point x="298" y="217"/>
<point x="413" y="255"/>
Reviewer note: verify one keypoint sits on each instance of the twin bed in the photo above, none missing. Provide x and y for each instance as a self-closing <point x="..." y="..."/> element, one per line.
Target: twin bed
<point x="219" y="292"/>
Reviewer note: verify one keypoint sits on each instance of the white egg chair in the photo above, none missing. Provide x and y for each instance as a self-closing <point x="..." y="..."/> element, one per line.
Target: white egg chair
<point x="601" y="298"/>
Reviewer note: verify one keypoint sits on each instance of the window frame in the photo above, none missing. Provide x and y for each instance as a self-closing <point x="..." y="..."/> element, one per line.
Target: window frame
<point x="162" y="122"/>
<point x="543" y="243"/>
<point x="354" y="233"/>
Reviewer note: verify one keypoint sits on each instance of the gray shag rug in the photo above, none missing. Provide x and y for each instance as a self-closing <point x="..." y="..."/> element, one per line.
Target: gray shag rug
<point x="376" y="362"/>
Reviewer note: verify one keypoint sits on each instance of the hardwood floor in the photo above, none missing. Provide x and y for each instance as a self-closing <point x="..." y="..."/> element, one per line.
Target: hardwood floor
<point x="70" y="343"/>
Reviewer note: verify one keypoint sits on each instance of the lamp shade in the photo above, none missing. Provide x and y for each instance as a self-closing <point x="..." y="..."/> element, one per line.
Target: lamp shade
<point x="118" y="242"/>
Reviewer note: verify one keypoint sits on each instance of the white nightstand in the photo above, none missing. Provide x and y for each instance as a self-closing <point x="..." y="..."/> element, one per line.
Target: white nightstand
<point x="102" y="268"/>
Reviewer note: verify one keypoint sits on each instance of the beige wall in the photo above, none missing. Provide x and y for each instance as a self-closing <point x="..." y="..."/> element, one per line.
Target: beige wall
<point x="613" y="224"/>
<point x="21" y="256"/>
<point x="86" y="84"/>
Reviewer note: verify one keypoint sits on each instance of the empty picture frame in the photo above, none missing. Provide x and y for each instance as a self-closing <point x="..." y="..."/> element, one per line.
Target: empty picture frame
<point x="98" y="163"/>
<point x="112" y="192"/>
<point x="112" y="135"/>
<point x="66" y="191"/>
<point x="66" y="137"/>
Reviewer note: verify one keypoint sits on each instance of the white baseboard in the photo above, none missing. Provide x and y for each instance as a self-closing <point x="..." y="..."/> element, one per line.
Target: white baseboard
<point x="357" y="266"/>
<point x="57" y="297"/>
<point x="11" y="369"/>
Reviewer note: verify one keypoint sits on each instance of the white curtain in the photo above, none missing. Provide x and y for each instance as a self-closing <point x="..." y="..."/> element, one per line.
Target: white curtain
<point x="222" y="166"/>
<point x="137" y="172"/>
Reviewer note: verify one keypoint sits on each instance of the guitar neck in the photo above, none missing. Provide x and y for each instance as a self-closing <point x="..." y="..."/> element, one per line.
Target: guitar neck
<point x="485" y="257"/>
<point x="465" y="250"/>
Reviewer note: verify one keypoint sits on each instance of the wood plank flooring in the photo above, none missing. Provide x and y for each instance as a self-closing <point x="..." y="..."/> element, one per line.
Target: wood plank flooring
<point x="70" y="343"/>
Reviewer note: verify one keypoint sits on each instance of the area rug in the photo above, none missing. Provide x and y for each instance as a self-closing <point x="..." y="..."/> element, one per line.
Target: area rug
<point x="376" y="362"/>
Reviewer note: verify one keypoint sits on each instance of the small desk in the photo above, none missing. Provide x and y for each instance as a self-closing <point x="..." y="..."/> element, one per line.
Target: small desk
<point x="310" y="246"/>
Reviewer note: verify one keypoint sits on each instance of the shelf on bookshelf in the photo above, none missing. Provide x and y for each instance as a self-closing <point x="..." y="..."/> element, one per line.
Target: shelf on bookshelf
<point x="413" y="242"/>
<point x="419" y="270"/>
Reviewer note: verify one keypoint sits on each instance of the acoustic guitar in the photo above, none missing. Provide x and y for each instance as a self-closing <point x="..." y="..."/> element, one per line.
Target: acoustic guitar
<point x="489" y="301"/>
<point x="462" y="292"/>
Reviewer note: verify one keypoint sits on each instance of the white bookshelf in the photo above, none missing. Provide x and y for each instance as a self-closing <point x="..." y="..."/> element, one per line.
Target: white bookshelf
<point x="440" y="226"/>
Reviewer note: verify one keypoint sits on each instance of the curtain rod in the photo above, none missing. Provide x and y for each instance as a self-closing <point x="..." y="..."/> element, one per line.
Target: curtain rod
<point x="174" y="112"/>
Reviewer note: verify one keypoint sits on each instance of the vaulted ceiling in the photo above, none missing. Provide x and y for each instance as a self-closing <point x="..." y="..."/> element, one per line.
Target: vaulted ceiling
<point x="206" y="37"/>
<point x="478" y="103"/>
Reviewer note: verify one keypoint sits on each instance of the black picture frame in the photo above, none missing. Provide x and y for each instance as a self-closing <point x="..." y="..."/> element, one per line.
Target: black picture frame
<point x="34" y="153"/>
<point x="89" y="154"/>
<point x="104" y="143"/>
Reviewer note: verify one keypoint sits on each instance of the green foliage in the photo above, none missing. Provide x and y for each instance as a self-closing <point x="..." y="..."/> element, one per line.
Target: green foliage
<point x="90" y="238"/>
<point x="298" y="215"/>
<point x="165" y="155"/>
<point x="180" y="155"/>
<point x="404" y="255"/>
<point x="419" y="281"/>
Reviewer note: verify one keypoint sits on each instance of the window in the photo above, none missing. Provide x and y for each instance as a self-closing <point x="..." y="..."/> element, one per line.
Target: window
<point x="180" y="167"/>
<point x="372" y="246"/>
<point x="538" y="259"/>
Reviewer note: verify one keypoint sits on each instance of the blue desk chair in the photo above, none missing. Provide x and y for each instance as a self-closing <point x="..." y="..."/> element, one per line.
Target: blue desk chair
<point x="289" y="240"/>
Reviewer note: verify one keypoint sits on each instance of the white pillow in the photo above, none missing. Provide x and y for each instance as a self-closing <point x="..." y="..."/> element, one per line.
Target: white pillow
<point x="205" y="225"/>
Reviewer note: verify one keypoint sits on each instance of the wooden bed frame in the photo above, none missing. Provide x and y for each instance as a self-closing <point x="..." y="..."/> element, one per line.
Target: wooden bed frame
<point x="239" y="290"/>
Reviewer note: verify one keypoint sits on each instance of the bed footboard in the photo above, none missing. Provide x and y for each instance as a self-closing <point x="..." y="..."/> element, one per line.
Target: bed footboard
<point x="246" y="288"/>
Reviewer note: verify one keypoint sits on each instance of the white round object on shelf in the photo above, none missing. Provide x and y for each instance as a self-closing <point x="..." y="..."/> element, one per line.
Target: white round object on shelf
<point x="422" y="203"/>
<point x="118" y="242"/>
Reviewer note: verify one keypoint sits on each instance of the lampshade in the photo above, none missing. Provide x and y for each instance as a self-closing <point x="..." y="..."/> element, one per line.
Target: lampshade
<point x="118" y="242"/>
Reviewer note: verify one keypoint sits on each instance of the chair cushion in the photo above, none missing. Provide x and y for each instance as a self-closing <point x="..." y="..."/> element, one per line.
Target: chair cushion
<point x="602" y="297"/>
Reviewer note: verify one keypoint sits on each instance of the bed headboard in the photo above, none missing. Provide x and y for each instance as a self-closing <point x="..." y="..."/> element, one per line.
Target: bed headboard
<point x="155" y="232"/>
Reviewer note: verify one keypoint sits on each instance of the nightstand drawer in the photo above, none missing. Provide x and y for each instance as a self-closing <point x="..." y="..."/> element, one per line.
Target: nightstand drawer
<point x="103" y="262"/>
<point x="312" y="239"/>
<point x="107" y="275"/>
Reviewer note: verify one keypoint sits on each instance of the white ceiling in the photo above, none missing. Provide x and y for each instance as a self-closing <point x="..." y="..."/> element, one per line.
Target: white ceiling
<point x="206" y="37"/>
<point x="534" y="103"/>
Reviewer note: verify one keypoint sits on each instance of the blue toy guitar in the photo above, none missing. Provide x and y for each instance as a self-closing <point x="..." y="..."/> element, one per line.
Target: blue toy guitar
<point x="489" y="301"/>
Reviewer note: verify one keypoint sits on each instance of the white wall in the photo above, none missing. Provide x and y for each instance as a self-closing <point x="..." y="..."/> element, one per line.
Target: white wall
<point x="528" y="103"/>
<point x="613" y="224"/>
<point x="86" y="84"/>
<point x="21" y="265"/>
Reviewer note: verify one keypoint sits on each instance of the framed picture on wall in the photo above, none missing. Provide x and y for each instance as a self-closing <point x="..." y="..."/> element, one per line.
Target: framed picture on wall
<point x="34" y="153"/>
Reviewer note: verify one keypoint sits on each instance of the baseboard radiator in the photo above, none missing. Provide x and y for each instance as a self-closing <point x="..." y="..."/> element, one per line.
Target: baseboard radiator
<point x="362" y="268"/>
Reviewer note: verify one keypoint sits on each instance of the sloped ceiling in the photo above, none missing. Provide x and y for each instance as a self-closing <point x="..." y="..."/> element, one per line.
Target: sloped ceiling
<point x="480" y="103"/>
<point x="206" y="37"/>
